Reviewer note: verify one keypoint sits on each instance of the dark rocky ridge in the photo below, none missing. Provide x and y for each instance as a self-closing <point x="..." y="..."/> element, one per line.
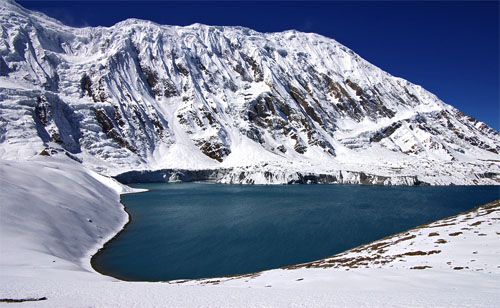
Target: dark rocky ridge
<point x="239" y="176"/>
<point x="143" y="96"/>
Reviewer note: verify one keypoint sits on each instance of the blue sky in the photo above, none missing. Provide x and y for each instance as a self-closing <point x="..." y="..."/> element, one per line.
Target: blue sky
<point x="450" y="48"/>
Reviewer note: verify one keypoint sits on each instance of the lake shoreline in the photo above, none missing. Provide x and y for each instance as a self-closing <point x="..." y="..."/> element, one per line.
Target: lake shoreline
<point x="93" y="263"/>
<point x="56" y="254"/>
<point x="102" y="269"/>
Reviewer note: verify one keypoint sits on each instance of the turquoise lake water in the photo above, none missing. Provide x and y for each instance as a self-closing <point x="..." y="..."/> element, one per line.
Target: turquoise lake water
<point x="199" y="230"/>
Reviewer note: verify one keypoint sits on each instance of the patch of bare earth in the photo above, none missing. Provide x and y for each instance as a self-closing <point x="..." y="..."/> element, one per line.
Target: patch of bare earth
<point x="410" y="244"/>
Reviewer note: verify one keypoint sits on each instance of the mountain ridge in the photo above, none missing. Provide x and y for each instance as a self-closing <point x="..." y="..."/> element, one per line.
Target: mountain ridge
<point x="138" y="96"/>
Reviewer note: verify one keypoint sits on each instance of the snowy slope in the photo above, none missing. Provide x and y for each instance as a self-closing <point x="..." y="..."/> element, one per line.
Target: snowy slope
<point x="139" y="95"/>
<point x="38" y="197"/>
<point x="55" y="214"/>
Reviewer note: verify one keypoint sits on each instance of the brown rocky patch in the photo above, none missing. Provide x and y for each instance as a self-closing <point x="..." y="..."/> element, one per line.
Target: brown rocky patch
<point x="213" y="149"/>
<point x="421" y="267"/>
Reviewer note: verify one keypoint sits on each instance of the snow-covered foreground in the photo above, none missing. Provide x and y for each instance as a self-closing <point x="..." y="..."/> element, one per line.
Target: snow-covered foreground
<point x="54" y="214"/>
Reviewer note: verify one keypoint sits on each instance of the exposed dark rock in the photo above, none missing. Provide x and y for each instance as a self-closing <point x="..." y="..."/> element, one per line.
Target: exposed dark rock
<point x="257" y="71"/>
<point x="229" y="84"/>
<point x="49" y="151"/>
<point x="281" y="148"/>
<point x="42" y="110"/>
<point x="335" y="89"/>
<point x="4" y="68"/>
<point x="21" y="300"/>
<point x="254" y="134"/>
<point x="169" y="89"/>
<point x="56" y="121"/>
<point x="183" y="70"/>
<point x="44" y="152"/>
<point x="238" y="177"/>
<point x="355" y="87"/>
<point x="109" y="129"/>
<point x="213" y="149"/>
<point x="159" y="86"/>
<point x="57" y="138"/>
<point x="104" y="120"/>
<point x="97" y="95"/>
<point x="160" y="176"/>
<point x="260" y="108"/>
<point x="488" y="175"/>
<point x="151" y="77"/>
<point x="412" y="97"/>
<point x="314" y="179"/>
<point x="299" y="146"/>
<point x="118" y="116"/>
<point x="86" y="85"/>
<point x="295" y="93"/>
<point x="386" y="132"/>
<point x="100" y="94"/>
<point x="73" y="157"/>
<point x="157" y="124"/>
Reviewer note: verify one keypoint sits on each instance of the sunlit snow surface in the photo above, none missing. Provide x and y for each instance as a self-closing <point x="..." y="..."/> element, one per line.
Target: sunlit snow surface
<point x="165" y="97"/>
<point x="139" y="95"/>
<point x="55" y="214"/>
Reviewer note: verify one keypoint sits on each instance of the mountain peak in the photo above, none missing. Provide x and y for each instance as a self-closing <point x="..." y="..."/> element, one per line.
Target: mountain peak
<point x="139" y="95"/>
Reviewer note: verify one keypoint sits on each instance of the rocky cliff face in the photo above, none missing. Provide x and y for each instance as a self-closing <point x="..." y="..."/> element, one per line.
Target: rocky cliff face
<point x="144" y="96"/>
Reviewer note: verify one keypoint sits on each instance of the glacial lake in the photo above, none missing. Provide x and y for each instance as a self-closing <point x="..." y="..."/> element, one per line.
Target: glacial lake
<point x="200" y="230"/>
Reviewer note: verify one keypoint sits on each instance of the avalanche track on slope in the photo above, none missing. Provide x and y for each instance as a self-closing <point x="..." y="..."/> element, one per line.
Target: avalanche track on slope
<point x="143" y="96"/>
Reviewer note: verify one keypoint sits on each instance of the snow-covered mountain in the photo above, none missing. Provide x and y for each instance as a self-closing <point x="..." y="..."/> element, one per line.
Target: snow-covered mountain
<point x="252" y="107"/>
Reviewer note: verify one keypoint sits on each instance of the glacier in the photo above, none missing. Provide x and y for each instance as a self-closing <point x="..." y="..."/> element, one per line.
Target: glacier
<point x="235" y="104"/>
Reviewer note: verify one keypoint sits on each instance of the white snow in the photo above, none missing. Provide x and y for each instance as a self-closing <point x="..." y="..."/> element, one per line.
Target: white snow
<point x="54" y="214"/>
<point x="298" y="101"/>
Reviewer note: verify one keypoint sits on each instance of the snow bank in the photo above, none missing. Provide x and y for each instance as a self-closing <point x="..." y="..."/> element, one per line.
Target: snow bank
<point x="55" y="214"/>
